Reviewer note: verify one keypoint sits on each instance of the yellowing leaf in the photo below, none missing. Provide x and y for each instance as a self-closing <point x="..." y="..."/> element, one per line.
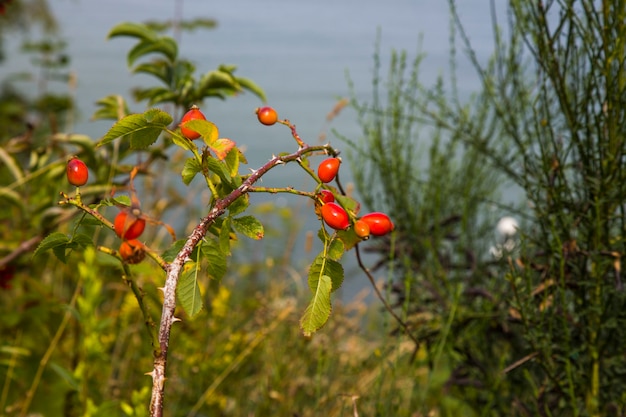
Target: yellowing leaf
<point x="221" y="147"/>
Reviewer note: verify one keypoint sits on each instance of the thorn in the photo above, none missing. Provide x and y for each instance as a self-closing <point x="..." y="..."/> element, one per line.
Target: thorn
<point x="151" y="374"/>
<point x="175" y="319"/>
<point x="162" y="289"/>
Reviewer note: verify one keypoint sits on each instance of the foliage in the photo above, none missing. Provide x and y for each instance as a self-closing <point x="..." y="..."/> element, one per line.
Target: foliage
<point x="540" y="331"/>
<point x="89" y="303"/>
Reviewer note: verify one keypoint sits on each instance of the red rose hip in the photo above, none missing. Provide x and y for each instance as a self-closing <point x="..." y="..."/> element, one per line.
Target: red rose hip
<point x="77" y="172"/>
<point x="128" y="226"/>
<point x="132" y="251"/>
<point x="335" y="216"/>
<point x="193" y="114"/>
<point x="379" y="223"/>
<point x="327" y="170"/>
<point x="326" y="196"/>
<point x="267" y="115"/>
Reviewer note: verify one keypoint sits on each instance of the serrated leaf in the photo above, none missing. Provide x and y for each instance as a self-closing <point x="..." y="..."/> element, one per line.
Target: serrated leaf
<point x="335" y="250"/>
<point x="190" y="170"/>
<point x="224" y="237"/>
<point x="249" y="226"/>
<point x="221" y="147"/>
<point x="183" y="142"/>
<point x="232" y="161"/>
<point x="170" y="253"/>
<point x="239" y="205"/>
<point x="133" y="30"/>
<point x="349" y="238"/>
<point x="163" y="45"/>
<point x="205" y="128"/>
<point x="53" y="240"/>
<point x="348" y="203"/>
<point x="188" y="290"/>
<point x="216" y="167"/>
<point x="318" y="310"/>
<point x="217" y="263"/>
<point x="82" y="240"/>
<point x="324" y="266"/>
<point x="123" y="200"/>
<point x="142" y="129"/>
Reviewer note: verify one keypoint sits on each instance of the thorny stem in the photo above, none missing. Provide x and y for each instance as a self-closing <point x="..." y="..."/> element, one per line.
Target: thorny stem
<point x="175" y="268"/>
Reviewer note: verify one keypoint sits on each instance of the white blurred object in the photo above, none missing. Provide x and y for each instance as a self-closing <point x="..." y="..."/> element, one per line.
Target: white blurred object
<point x="507" y="227"/>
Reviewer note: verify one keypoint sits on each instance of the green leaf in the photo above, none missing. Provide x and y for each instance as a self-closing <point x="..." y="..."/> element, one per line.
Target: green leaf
<point x="142" y="129"/>
<point x="159" y="68"/>
<point x="325" y="266"/>
<point x="318" y="310"/>
<point x="155" y="95"/>
<point x="249" y="226"/>
<point x="251" y="86"/>
<point x="82" y="240"/>
<point x="133" y="30"/>
<point x="191" y="168"/>
<point x="224" y="237"/>
<point x="336" y="249"/>
<point x="239" y="205"/>
<point x="111" y="107"/>
<point x="205" y="128"/>
<point x="183" y="142"/>
<point x="348" y="203"/>
<point x="215" y="166"/>
<point x="188" y="290"/>
<point x="232" y="161"/>
<point x="217" y="263"/>
<point x="163" y="45"/>
<point x="53" y="240"/>
<point x="218" y="79"/>
<point x="170" y="253"/>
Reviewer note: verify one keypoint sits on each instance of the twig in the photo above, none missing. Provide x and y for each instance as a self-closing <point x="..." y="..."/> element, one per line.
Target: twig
<point x="175" y="268"/>
<point x="388" y="307"/>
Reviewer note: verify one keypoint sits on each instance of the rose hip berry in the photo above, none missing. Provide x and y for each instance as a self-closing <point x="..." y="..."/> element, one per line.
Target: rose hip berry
<point x="132" y="251"/>
<point x="326" y="196"/>
<point x="327" y="170"/>
<point x="335" y="216"/>
<point x="129" y="226"/>
<point x="267" y="115"/>
<point x="379" y="223"/>
<point x="77" y="172"/>
<point x="362" y="229"/>
<point x="193" y="114"/>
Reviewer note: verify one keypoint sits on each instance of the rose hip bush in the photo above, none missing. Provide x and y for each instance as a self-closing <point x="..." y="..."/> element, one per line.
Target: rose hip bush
<point x="106" y="214"/>
<point x="218" y="161"/>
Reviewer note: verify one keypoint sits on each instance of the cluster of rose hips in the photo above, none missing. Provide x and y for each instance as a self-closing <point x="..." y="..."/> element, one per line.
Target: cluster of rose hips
<point x="128" y="224"/>
<point x="335" y="216"/>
